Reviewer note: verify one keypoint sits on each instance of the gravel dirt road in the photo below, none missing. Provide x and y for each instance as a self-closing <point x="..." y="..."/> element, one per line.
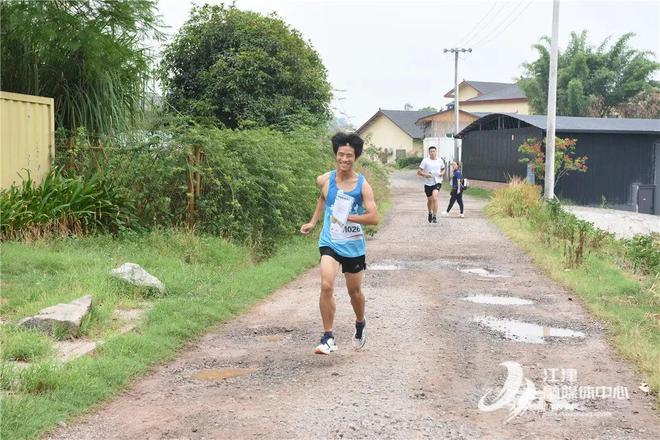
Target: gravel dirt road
<point x="430" y="355"/>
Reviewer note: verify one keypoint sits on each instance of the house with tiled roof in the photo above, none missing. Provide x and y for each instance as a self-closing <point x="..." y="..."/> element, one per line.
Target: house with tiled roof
<point x="490" y="97"/>
<point x="394" y="133"/>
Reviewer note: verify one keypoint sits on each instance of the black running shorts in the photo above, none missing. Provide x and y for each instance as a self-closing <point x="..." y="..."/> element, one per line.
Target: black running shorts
<point x="428" y="189"/>
<point x="348" y="264"/>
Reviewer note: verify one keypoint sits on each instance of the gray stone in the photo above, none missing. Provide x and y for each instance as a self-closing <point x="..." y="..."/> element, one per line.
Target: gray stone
<point x="69" y="350"/>
<point x="134" y="274"/>
<point x="64" y="318"/>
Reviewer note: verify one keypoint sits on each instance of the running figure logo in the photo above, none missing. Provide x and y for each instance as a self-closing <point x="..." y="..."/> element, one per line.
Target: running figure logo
<point x="513" y="395"/>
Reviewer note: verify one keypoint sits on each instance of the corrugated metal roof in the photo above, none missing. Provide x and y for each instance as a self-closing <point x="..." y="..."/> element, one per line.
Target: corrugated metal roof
<point x="579" y="124"/>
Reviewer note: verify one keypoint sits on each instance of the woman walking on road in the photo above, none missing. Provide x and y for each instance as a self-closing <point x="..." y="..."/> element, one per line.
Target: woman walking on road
<point x="456" y="189"/>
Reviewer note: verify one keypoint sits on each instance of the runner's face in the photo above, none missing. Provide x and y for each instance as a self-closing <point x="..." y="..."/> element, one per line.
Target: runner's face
<point x="433" y="153"/>
<point x="345" y="158"/>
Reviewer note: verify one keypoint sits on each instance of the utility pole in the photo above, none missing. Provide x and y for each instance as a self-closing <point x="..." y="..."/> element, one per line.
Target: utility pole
<point x="455" y="51"/>
<point x="549" y="192"/>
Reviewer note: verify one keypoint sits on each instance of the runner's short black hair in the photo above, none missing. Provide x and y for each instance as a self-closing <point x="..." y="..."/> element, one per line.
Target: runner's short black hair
<point x="340" y="139"/>
<point x="433" y="148"/>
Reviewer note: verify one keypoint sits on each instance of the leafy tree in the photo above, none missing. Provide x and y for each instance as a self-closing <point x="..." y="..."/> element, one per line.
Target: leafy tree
<point x="642" y="105"/>
<point x="428" y="109"/>
<point x="565" y="158"/>
<point x="87" y="55"/>
<point x="590" y="81"/>
<point x="244" y="69"/>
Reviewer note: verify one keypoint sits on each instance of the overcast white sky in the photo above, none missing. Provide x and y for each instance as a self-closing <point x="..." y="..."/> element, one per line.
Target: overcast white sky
<point x="386" y="53"/>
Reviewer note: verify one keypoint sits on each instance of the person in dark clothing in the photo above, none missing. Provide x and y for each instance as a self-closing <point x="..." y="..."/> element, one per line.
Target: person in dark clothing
<point x="456" y="189"/>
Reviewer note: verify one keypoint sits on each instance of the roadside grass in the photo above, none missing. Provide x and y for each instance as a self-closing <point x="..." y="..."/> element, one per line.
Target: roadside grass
<point x="478" y="193"/>
<point x="629" y="303"/>
<point x="39" y="274"/>
<point x="23" y="345"/>
<point x="208" y="280"/>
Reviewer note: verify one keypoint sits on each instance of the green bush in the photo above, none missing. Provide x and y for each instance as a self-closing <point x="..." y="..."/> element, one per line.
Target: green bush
<point x="643" y="251"/>
<point x="62" y="206"/>
<point x="409" y="162"/>
<point x="256" y="186"/>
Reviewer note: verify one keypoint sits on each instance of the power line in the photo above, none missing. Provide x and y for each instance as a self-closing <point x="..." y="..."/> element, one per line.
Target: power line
<point x="476" y="26"/>
<point x="486" y="28"/>
<point x="494" y="35"/>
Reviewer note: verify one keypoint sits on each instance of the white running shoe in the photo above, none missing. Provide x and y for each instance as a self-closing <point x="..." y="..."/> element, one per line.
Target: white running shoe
<point x="461" y="216"/>
<point x="445" y="214"/>
<point x="358" y="343"/>
<point x="326" y="346"/>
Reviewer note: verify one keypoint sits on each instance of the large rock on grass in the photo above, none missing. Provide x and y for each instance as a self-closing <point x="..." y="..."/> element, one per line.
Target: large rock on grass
<point x="134" y="274"/>
<point x="61" y="319"/>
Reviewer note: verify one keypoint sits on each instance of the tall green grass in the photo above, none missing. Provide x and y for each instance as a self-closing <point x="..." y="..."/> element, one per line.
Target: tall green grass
<point x="60" y="206"/>
<point x="552" y="224"/>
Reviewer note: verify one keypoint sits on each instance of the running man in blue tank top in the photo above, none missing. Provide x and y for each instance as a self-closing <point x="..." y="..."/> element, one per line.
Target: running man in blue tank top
<point x="347" y="204"/>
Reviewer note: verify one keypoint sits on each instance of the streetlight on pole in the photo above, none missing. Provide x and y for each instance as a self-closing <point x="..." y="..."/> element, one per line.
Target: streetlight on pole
<point x="455" y="51"/>
<point x="549" y="187"/>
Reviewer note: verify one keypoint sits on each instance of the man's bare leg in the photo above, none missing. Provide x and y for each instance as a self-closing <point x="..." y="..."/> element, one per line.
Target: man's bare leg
<point x="434" y="207"/>
<point x="354" y="287"/>
<point x="329" y="269"/>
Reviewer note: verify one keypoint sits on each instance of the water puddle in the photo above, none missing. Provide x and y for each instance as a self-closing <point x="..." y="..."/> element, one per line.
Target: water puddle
<point x="383" y="267"/>
<point x="221" y="374"/>
<point x="484" y="272"/>
<point x="498" y="300"/>
<point x="524" y="331"/>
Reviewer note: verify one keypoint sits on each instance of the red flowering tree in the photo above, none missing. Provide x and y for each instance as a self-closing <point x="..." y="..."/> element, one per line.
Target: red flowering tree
<point x="565" y="158"/>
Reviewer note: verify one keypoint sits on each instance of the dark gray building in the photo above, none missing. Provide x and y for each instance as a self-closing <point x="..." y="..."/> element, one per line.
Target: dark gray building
<point x="623" y="156"/>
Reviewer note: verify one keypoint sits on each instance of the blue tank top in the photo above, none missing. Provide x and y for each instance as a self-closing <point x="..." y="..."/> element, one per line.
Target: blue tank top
<point x="347" y="240"/>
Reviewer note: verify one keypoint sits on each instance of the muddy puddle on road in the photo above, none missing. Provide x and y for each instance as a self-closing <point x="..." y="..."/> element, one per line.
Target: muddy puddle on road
<point x="432" y="264"/>
<point x="222" y="373"/>
<point x="484" y="272"/>
<point x="378" y="266"/>
<point x="498" y="300"/>
<point x="525" y="331"/>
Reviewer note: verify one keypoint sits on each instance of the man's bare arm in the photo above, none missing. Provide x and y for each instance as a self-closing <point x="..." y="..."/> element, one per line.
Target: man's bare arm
<point x="322" y="179"/>
<point x="318" y="212"/>
<point x="370" y="217"/>
<point x="420" y="172"/>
